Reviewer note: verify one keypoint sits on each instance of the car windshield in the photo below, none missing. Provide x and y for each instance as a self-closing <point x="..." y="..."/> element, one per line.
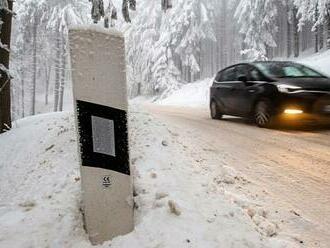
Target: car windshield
<point x="287" y="70"/>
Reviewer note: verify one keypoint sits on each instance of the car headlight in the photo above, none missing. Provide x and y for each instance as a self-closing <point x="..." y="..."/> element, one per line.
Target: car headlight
<point x="285" y="88"/>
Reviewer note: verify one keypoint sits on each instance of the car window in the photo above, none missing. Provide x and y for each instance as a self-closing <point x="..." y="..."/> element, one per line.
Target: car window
<point x="291" y="71"/>
<point x="218" y="77"/>
<point x="255" y="75"/>
<point x="241" y="71"/>
<point x="229" y="74"/>
<point x="284" y="70"/>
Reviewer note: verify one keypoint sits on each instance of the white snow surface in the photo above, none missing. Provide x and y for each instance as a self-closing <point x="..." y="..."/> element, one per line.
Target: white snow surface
<point x="197" y="94"/>
<point x="190" y="95"/>
<point x="319" y="61"/>
<point x="97" y="28"/>
<point x="180" y="201"/>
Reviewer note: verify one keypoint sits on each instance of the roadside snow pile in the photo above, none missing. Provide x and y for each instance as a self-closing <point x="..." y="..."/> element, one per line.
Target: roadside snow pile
<point x="180" y="202"/>
<point x="191" y="95"/>
<point x="197" y="94"/>
<point x="320" y="62"/>
<point x="40" y="183"/>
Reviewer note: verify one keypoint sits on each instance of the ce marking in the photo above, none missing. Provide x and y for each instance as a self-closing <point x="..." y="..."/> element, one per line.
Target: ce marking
<point x="106" y="181"/>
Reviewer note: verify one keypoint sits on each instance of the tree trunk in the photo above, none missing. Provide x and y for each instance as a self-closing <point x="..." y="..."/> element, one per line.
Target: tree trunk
<point x="243" y="47"/>
<point x="296" y="33"/>
<point x="22" y="75"/>
<point x="34" y="64"/>
<point x="269" y="52"/>
<point x="316" y="33"/>
<point x="23" y="94"/>
<point x="63" y="68"/>
<point x="5" y="104"/>
<point x="57" y="72"/>
<point x="48" y="71"/>
<point x="289" y="40"/>
<point x="125" y="11"/>
<point x="316" y="47"/>
<point x="321" y="37"/>
<point x="223" y="34"/>
<point x="328" y="31"/>
<point x="289" y="33"/>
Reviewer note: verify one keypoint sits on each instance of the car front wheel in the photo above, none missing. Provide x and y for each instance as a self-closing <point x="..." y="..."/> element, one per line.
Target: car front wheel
<point x="263" y="114"/>
<point x="215" y="114"/>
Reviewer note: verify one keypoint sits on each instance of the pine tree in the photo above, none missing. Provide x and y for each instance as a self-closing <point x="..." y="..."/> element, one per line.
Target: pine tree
<point x="316" y="12"/>
<point x="257" y="20"/>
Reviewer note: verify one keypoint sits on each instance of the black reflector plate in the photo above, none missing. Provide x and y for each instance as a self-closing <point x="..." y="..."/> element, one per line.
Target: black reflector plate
<point x="103" y="137"/>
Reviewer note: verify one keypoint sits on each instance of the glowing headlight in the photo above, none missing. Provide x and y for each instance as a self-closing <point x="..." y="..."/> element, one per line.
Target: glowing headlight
<point x="285" y="88"/>
<point x="293" y="111"/>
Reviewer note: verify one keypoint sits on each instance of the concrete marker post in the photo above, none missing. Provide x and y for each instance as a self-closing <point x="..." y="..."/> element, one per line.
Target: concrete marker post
<point x="100" y="98"/>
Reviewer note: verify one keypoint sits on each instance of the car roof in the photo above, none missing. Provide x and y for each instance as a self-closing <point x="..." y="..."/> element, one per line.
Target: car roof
<point x="273" y="62"/>
<point x="260" y="62"/>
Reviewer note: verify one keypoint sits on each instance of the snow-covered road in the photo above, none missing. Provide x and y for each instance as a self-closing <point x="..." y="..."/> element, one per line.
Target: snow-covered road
<point x="288" y="171"/>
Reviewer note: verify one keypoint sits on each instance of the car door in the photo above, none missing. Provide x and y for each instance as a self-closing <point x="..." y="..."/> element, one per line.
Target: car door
<point x="245" y="90"/>
<point x="223" y="88"/>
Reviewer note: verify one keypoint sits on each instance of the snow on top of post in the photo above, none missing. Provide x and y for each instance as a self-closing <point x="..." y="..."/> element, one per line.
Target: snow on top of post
<point x="97" y="28"/>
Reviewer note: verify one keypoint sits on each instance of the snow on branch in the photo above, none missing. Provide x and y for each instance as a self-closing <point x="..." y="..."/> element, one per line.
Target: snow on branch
<point x="4" y="6"/>
<point x="4" y="46"/>
<point x="5" y="70"/>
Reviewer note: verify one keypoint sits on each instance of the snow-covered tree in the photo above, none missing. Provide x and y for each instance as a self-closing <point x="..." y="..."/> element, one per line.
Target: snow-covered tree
<point x="257" y="20"/>
<point x="166" y="4"/>
<point x="97" y="10"/>
<point x="40" y="38"/>
<point x="318" y="13"/>
<point x="189" y="27"/>
<point x="171" y="44"/>
<point x="4" y="11"/>
<point x="110" y="15"/>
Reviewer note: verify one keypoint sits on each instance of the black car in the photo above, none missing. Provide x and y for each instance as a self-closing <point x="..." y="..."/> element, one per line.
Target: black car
<point x="271" y="91"/>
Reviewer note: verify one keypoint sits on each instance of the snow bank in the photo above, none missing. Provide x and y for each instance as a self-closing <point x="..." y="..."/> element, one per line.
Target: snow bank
<point x="319" y="61"/>
<point x="40" y="183"/>
<point x="197" y="94"/>
<point x="178" y="203"/>
<point x="191" y="95"/>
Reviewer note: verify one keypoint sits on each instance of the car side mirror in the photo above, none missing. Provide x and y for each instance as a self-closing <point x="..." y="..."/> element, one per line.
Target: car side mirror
<point x="242" y="79"/>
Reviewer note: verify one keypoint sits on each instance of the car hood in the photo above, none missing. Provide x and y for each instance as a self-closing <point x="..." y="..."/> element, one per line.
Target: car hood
<point x="307" y="83"/>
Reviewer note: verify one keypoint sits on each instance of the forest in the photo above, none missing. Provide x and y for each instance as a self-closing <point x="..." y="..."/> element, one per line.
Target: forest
<point x="169" y="43"/>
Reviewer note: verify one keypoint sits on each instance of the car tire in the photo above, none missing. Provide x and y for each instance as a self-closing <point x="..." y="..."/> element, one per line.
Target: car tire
<point x="263" y="114"/>
<point x="214" y="109"/>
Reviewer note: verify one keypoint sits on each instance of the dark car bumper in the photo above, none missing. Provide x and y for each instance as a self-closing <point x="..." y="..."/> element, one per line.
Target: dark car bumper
<point x="314" y="107"/>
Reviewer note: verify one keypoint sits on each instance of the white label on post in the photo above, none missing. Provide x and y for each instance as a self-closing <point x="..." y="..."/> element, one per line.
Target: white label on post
<point x="103" y="136"/>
